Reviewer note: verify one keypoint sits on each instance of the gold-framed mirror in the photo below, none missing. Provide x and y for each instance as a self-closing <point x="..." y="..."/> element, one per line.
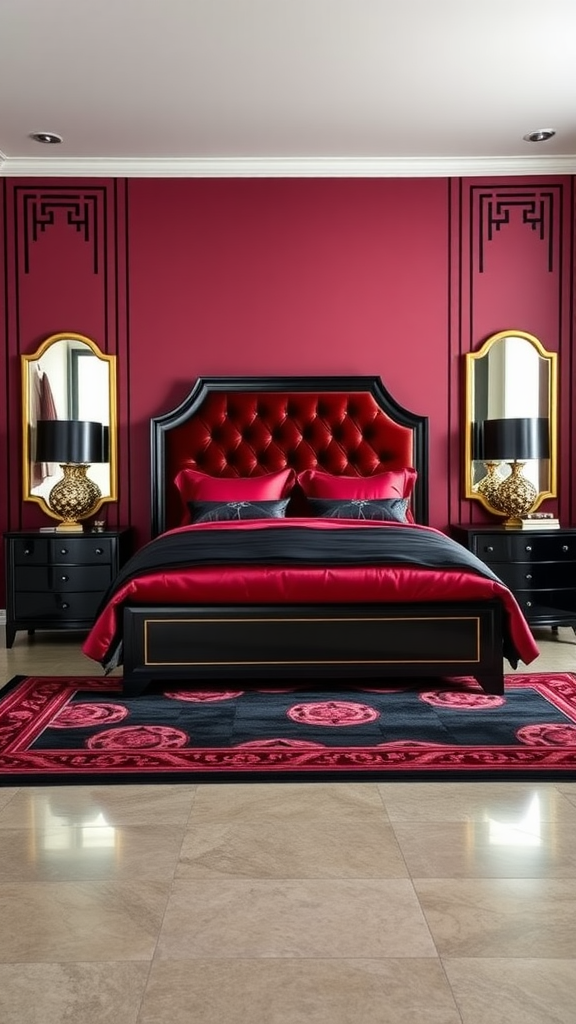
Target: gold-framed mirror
<point x="511" y="385"/>
<point x="69" y="419"/>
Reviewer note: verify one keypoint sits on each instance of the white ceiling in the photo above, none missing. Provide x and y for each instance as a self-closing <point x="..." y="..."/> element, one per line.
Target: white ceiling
<point x="287" y="87"/>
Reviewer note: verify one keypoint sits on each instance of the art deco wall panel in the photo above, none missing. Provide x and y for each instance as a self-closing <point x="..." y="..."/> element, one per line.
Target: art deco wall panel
<point x="511" y="268"/>
<point x="64" y="270"/>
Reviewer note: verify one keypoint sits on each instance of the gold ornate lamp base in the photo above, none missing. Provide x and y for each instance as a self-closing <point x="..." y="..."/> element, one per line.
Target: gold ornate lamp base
<point x="74" y="497"/>
<point x="515" y="496"/>
<point x="490" y="483"/>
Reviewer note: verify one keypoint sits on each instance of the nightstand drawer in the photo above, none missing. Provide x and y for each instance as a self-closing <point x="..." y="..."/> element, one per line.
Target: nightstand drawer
<point x="59" y="607"/>
<point x="30" y="551"/>
<point x="523" y="548"/>
<point x="67" y="550"/>
<point x="553" y="605"/>
<point x="528" y="576"/>
<point x="80" y="550"/>
<point x="80" y="577"/>
<point x="41" y="578"/>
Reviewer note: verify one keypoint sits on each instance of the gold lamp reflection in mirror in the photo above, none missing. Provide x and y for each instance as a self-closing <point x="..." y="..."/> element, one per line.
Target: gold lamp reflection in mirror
<point x="75" y="445"/>
<point x="515" y="440"/>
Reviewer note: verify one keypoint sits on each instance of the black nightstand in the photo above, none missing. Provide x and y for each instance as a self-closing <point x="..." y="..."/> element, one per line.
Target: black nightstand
<point x="539" y="567"/>
<point x="56" y="580"/>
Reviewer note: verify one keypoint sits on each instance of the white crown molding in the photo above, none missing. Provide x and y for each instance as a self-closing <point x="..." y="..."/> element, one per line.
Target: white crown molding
<point x="285" y="167"/>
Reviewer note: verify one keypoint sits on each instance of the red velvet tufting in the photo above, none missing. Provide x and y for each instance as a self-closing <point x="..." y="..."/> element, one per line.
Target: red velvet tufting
<point x="252" y="433"/>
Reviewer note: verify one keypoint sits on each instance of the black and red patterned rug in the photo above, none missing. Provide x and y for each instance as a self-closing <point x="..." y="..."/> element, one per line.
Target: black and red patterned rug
<point x="58" y="730"/>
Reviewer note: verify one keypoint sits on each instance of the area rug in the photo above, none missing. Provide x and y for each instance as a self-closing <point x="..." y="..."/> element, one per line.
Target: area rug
<point x="56" y="730"/>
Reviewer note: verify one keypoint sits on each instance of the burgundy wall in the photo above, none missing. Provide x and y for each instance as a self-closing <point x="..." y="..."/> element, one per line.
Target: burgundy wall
<point x="190" y="277"/>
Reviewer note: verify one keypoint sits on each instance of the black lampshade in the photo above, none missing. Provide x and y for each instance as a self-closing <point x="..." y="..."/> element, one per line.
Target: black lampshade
<point x="71" y="441"/>
<point x="516" y="438"/>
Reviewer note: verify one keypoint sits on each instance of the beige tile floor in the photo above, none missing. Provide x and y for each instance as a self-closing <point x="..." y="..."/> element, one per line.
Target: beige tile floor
<point x="392" y="903"/>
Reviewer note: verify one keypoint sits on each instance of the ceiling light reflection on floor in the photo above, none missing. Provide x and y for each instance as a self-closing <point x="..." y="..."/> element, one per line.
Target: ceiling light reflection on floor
<point x="526" y="831"/>
<point x="92" y="834"/>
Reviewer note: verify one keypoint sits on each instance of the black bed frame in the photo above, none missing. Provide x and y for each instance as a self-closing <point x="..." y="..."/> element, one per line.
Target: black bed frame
<point x="308" y="642"/>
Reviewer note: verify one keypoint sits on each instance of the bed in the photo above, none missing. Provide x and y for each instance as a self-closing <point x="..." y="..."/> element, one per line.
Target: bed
<point x="290" y="540"/>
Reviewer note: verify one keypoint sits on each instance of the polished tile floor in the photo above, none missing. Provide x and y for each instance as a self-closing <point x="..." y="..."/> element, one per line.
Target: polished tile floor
<point x="392" y="903"/>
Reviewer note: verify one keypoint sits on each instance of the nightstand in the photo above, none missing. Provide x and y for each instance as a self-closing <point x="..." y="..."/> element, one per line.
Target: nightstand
<point x="539" y="567"/>
<point x="56" y="580"/>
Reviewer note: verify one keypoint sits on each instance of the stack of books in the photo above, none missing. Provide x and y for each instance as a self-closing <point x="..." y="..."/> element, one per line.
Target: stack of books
<point x="539" y="521"/>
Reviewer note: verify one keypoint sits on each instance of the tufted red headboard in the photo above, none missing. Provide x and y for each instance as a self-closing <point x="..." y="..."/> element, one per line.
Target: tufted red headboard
<point x="248" y="426"/>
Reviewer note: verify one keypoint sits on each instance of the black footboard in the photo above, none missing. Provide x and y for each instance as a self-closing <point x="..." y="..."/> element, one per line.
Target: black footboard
<point x="313" y="642"/>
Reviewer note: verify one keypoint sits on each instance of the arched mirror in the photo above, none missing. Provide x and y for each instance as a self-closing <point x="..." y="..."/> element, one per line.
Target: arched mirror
<point x="511" y="423"/>
<point x="69" y="428"/>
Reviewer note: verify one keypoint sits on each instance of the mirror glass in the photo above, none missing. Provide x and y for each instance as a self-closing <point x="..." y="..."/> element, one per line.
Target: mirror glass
<point x="67" y="378"/>
<point x="511" y="376"/>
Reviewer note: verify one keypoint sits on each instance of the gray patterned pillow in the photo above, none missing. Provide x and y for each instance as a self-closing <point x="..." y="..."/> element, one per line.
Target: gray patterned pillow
<point x="224" y="511"/>
<point x="376" y="510"/>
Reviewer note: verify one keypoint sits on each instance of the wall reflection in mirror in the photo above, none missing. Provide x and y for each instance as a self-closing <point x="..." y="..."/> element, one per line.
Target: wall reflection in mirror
<point x="69" y="417"/>
<point x="511" y="425"/>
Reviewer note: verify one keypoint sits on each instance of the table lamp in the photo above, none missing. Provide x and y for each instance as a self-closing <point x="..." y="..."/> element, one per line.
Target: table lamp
<point x="75" y="445"/>
<point x="515" y="440"/>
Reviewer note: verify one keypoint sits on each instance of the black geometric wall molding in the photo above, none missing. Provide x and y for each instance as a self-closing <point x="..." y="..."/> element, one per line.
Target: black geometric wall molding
<point x="497" y="208"/>
<point x="80" y="209"/>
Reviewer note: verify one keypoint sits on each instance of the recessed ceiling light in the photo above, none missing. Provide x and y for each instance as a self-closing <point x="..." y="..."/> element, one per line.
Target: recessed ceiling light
<point x="47" y="138"/>
<point x="541" y="135"/>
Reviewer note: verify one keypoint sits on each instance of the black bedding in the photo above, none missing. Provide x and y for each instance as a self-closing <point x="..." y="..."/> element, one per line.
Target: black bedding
<point x="301" y="545"/>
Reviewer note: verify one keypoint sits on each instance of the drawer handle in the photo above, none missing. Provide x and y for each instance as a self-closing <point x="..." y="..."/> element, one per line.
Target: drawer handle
<point x="65" y="579"/>
<point x="99" y="551"/>
<point x="528" y="604"/>
<point x="489" y="548"/>
<point x="565" y="548"/>
<point x="27" y="551"/>
<point x="528" y="576"/>
<point x="65" y="604"/>
<point x="528" y="547"/>
<point x="63" y="551"/>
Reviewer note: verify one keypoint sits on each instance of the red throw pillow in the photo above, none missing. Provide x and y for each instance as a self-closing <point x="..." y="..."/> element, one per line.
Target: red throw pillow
<point x="397" y="483"/>
<point x="394" y="483"/>
<point x="196" y="486"/>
